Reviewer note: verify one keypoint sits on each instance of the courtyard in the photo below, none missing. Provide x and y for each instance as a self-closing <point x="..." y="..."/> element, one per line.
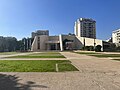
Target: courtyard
<point x="94" y="74"/>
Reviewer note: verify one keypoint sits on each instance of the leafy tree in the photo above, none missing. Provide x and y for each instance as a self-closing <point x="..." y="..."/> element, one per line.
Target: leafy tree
<point x="88" y="48"/>
<point x="98" y="48"/>
<point x="8" y="44"/>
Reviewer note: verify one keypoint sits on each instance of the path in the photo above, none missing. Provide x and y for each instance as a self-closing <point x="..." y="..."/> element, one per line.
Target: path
<point x="5" y="56"/>
<point x="94" y="74"/>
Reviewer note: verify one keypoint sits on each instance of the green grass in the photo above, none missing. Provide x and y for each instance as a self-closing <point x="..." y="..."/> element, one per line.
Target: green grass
<point x="106" y="55"/>
<point x="28" y="56"/>
<point x="34" y="66"/>
<point x="50" y="53"/>
<point x="41" y="55"/>
<point x="8" y="53"/>
<point x="66" y="67"/>
<point x="46" y="54"/>
<point x="100" y="55"/>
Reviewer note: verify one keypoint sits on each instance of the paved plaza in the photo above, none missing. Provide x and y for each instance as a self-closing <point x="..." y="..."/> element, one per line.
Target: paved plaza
<point x="94" y="74"/>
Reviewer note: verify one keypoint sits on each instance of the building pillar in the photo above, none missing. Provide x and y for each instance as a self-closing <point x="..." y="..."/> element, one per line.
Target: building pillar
<point x="61" y="42"/>
<point x="24" y="44"/>
<point x="27" y="43"/>
<point x="84" y="42"/>
<point x="56" y="46"/>
<point x="30" y="44"/>
<point x="94" y="44"/>
<point x="47" y="46"/>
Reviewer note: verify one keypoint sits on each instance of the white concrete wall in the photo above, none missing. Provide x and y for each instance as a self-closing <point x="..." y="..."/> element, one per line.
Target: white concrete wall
<point x="89" y="42"/>
<point x="43" y="39"/>
<point x="79" y="30"/>
<point x="61" y="42"/>
<point x="34" y="44"/>
<point x="114" y="37"/>
<point x="75" y="28"/>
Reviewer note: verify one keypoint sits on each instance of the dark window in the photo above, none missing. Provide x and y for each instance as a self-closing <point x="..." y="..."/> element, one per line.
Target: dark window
<point x="38" y="45"/>
<point x="38" y="38"/>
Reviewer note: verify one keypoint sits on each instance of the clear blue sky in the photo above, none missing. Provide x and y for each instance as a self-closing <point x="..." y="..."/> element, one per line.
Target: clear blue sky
<point x="19" y="18"/>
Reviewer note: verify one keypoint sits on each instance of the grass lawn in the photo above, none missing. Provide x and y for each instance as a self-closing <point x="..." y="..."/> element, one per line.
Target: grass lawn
<point x="50" y="53"/>
<point x="66" y="67"/>
<point x="47" y="54"/>
<point x="100" y="55"/>
<point x="35" y="66"/>
<point x="29" y="56"/>
<point x="8" y="53"/>
<point x="41" y="55"/>
<point x="106" y="55"/>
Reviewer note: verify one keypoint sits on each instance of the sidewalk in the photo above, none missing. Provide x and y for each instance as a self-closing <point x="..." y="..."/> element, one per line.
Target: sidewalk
<point x="94" y="74"/>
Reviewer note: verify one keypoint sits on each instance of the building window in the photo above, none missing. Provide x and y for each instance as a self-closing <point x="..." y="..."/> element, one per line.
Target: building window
<point x="38" y="38"/>
<point x="38" y="45"/>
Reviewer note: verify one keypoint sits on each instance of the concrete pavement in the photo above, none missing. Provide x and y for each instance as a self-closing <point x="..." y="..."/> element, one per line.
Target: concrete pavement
<point x="94" y="74"/>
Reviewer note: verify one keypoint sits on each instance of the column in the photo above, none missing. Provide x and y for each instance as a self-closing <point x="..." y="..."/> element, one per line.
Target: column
<point x="56" y="47"/>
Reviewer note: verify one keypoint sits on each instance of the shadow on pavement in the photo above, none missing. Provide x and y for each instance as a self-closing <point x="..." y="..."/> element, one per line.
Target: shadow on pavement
<point x="10" y="82"/>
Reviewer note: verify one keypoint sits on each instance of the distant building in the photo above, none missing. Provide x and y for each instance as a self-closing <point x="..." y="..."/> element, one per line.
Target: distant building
<point x="85" y="35"/>
<point x="116" y="37"/>
<point x="26" y="44"/>
<point x="1" y="37"/>
<point x="63" y="42"/>
<point x="85" y="27"/>
<point x="40" y="32"/>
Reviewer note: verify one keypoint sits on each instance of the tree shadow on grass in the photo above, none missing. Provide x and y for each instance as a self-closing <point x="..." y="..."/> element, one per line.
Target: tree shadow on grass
<point x="10" y="82"/>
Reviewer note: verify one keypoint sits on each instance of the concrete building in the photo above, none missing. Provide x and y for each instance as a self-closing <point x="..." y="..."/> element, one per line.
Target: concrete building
<point x="116" y="37"/>
<point x="26" y="44"/>
<point x="40" y="32"/>
<point x="63" y="42"/>
<point x="85" y="35"/>
<point x="85" y="27"/>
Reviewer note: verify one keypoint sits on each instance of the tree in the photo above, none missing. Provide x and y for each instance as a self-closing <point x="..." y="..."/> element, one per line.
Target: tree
<point x="118" y="48"/>
<point x="8" y="44"/>
<point x="88" y="48"/>
<point x="98" y="48"/>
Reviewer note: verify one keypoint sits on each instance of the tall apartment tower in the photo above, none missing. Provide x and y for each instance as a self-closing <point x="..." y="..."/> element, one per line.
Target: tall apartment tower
<point x="85" y="27"/>
<point x="116" y="36"/>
